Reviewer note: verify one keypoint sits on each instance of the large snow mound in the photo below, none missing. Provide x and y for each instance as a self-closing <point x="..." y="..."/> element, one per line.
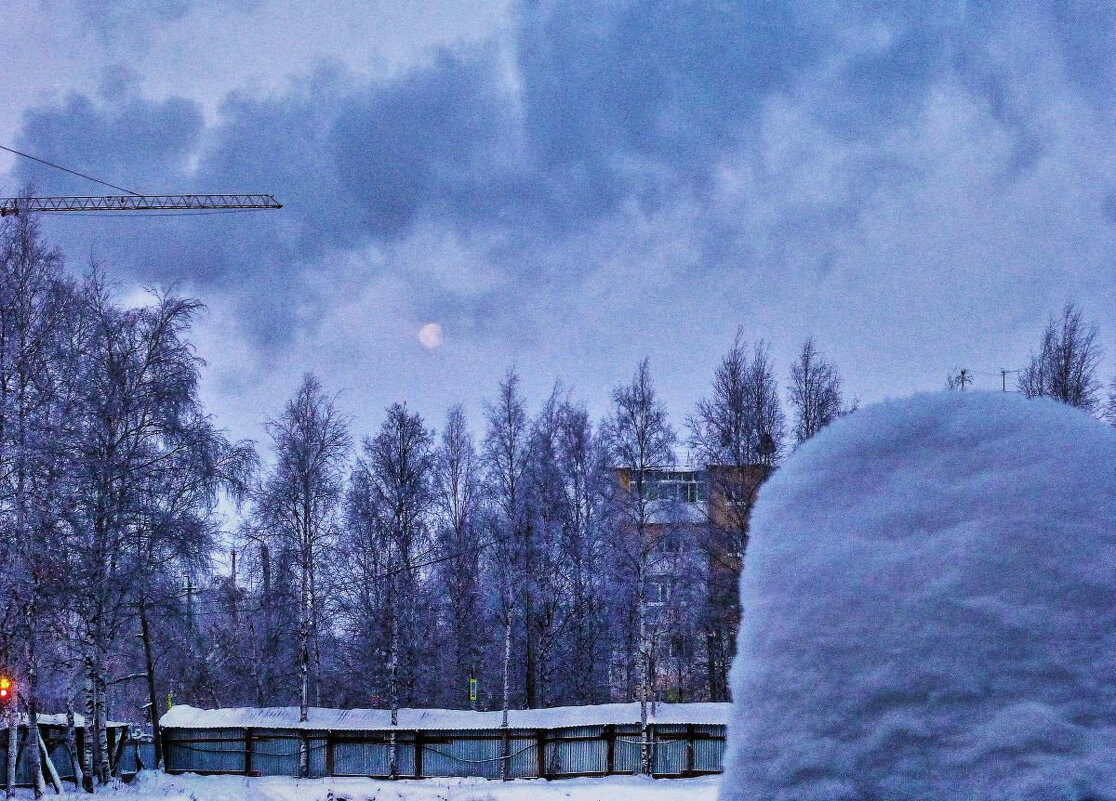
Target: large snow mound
<point x="929" y="609"/>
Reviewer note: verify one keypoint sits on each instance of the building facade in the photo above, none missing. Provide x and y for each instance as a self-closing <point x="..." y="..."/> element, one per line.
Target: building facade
<point x="695" y="530"/>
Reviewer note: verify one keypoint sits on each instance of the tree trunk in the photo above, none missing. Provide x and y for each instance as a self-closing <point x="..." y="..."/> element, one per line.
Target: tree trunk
<point x="644" y="688"/>
<point x="103" y="775"/>
<point x="262" y="673"/>
<point x="505" y="763"/>
<point x="71" y="746"/>
<point x="304" y="665"/>
<point x="90" y="754"/>
<point x="393" y="677"/>
<point x="530" y="685"/>
<point x="13" y="749"/>
<point x="52" y="772"/>
<point x="33" y="738"/>
<point x="152" y="697"/>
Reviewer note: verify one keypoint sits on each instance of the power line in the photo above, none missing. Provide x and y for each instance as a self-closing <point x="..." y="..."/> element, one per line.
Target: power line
<point x="67" y="169"/>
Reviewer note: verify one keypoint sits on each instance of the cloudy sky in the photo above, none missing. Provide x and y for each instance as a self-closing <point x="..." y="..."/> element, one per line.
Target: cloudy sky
<point x="570" y="185"/>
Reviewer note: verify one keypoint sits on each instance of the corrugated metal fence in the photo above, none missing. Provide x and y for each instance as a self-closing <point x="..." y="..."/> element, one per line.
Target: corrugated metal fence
<point x="676" y="750"/>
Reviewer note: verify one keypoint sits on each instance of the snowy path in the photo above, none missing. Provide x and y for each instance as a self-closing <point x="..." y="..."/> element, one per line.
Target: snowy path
<point x="151" y="786"/>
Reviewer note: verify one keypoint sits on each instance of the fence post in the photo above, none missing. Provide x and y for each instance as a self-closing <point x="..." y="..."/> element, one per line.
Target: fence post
<point x="418" y="754"/>
<point x="247" y="752"/>
<point x="329" y="753"/>
<point x="164" y="735"/>
<point x="690" y="750"/>
<point x="540" y="753"/>
<point x="610" y="758"/>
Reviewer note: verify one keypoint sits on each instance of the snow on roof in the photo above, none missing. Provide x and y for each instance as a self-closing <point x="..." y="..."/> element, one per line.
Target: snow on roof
<point x="57" y="720"/>
<point x="188" y="717"/>
<point x="930" y="609"/>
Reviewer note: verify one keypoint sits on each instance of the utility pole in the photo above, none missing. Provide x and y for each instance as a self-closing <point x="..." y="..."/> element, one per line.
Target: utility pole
<point x="189" y="602"/>
<point x="964" y="378"/>
<point x="232" y="588"/>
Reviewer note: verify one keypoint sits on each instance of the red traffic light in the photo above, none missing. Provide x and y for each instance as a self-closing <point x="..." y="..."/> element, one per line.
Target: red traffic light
<point x="6" y="689"/>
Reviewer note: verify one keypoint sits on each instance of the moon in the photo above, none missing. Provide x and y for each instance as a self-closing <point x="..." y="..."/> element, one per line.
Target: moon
<point x="431" y="336"/>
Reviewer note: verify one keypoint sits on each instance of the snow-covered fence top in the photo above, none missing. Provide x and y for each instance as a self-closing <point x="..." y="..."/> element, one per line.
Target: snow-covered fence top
<point x="321" y="719"/>
<point x="58" y="721"/>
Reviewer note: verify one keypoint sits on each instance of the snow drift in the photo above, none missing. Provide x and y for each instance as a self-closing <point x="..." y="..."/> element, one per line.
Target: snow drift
<point x="929" y="603"/>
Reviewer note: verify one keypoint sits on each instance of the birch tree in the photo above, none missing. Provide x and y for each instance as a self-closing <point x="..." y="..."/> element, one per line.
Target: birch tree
<point x="641" y="443"/>
<point x="737" y="434"/>
<point x="298" y="504"/>
<point x="587" y="480"/>
<point x="457" y="499"/>
<point x="505" y="459"/>
<point x="393" y="478"/>
<point x="36" y="369"/>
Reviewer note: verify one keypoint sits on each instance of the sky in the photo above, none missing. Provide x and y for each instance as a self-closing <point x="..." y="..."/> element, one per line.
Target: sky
<point x="568" y="186"/>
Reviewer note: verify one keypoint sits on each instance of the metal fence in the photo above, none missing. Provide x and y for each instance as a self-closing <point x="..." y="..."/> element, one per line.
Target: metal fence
<point x="676" y="750"/>
<point x="125" y="752"/>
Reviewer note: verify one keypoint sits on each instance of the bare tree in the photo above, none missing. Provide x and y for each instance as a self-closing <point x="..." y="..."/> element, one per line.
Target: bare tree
<point x="394" y="476"/>
<point x="737" y="433"/>
<point x="36" y="384"/>
<point x="743" y="421"/>
<point x="641" y="442"/>
<point x="505" y="460"/>
<point x="458" y="497"/>
<point x="586" y="478"/>
<point x="1065" y="366"/>
<point x="298" y="503"/>
<point x="138" y="419"/>
<point x="815" y="392"/>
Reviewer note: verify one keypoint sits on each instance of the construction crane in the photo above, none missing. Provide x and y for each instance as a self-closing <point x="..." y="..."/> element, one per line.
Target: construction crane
<point x="19" y="205"/>
<point x="129" y="201"/>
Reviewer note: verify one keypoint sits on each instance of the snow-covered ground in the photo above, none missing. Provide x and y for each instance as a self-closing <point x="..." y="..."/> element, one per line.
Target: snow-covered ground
<point x="151" y="786"/>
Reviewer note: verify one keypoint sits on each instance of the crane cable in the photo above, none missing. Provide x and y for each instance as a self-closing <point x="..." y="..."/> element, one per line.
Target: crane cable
<point x="71" y="172"/>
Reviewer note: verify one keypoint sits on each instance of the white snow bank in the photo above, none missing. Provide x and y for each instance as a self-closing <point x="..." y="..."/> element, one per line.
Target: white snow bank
<point x="152" y="786"/>
<point x="188" y="717"/>
<point x="929" y="609"/>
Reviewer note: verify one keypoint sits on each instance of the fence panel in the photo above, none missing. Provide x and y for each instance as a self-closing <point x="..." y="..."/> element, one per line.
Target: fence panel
<point x="205" y="751"/>
<point x="626" y="759"/>
<point x="576" y="751"/>
<point x="709" y="755"/>
<point x="369" y="754"/>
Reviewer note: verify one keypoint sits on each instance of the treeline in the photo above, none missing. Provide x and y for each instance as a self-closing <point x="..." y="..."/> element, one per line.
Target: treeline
<point x="535" y="564"/>
<point x="408" y="567"/>
<point x="110" y="471"/>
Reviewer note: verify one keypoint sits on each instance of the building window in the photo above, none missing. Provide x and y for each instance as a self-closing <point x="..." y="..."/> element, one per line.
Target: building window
<point x="657" y="591"/>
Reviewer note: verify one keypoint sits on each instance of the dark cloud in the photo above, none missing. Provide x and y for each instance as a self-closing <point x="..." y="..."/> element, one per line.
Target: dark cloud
<point x="439" y="141"/>
<point x="118" y="23"/>
<point x="737" y="143"/>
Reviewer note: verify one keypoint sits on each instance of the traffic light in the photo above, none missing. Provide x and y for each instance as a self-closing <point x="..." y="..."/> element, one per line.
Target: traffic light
<point x="7" y="689"/>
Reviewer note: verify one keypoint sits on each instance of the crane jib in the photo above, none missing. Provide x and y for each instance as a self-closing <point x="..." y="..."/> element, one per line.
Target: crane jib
<point x="192" y="202"/>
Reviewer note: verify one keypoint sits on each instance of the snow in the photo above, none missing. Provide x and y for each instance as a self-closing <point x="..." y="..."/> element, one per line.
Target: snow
<point x="57" y="720"/>
<point x="152" y="786"/>
<point x="319" y="719"/>
<point x="929" y="609"/>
